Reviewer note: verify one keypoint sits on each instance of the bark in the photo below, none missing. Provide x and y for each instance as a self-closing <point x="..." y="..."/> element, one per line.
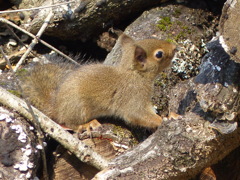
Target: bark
<point x="85" y="19"/>
<point x="19" y="155"/>
<point x="229" y="28"/>
<point x="217" y="85"/>
<point x="181" y="148"/>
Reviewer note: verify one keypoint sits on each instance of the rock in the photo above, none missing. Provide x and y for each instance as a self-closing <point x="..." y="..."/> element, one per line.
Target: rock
<point x="83" y="19"/>
<point x="217" y="87"/>
<point x="230" y="29"/>
<point x="175" y="23"/>
<point x="218" y="81"/>
<point x="19" y="157"/>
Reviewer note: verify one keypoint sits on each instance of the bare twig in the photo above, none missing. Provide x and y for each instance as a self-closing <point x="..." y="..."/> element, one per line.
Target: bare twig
<point x="34" y="41"/>
<point x="73" y="144"/>
<point x="6" y="59"/>
<point x="16" y="36"/>
<point x="35" y="8"/>
<point x="41" y="41"/>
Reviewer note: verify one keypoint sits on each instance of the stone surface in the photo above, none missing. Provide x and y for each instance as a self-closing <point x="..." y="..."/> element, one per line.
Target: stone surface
<point x="82" y="19"/>
<point x="230" y="28"/>
<point x="218" y="83"/>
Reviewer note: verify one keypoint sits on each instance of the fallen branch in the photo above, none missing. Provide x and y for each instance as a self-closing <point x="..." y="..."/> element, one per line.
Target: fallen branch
<point x="74" y="145"/>
<point x="41" y="41"/>
<point x="34" y="41"/>
<point x="179" y="149"/>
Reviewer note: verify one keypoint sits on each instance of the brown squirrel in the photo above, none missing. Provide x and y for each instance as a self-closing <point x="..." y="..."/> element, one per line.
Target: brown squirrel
<point x="74" y="96"/>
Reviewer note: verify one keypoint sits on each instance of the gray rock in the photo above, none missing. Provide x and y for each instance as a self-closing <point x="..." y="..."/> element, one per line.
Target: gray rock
<point x="230" y="28"/>
<point x="83" y="19"/>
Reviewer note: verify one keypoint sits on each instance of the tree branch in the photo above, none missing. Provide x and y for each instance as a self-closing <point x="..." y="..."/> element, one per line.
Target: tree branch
<point x="81" y="150"/>
<point x="3" y="20"/>
<point x="179" y="149"/>
<point x="34" y="41"/>
<point x="35" y="8"/>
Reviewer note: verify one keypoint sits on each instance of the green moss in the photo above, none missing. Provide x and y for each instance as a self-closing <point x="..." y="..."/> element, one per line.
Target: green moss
<point x="180" y="35"/>
<point x="187" y="30"/>
<point x="170" y="40"/>
<point x="118" y="131"/>
<point x="177" y="12"/>
<point x="21" y="72"/>
<point x="14" y="92"/>
<point x="176" y="30"/>
<point x="179" y="23"/>
<point x="158" y="83"/>
<point x="164" y="24"/>
<point x="124" y="133"/>
<point x="183" y="34"/>
<point x="162" y="27"/>
<point x="2" y="83"/>
<point x="162" y="80"/>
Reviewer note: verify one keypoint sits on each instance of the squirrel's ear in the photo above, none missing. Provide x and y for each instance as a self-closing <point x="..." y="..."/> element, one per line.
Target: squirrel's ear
<point x="125" y="39"/>
<point x="140" y="57"/>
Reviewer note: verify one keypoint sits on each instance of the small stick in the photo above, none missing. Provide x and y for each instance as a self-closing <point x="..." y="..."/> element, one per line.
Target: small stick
<point x="35" y="8"/>
<point x="14" y="34"/>
<point x="41" y="41"/>
<point x="6" y="59"/>
<point x="34" y="41"/>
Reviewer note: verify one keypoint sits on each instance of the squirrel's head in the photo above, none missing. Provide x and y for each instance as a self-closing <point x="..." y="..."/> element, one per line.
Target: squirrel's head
<point x="149" y="56"/>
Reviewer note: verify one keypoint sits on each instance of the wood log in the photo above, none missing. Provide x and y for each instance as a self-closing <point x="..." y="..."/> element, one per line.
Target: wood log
<point x="83" y="19"/>
<point x="19" y="153"/>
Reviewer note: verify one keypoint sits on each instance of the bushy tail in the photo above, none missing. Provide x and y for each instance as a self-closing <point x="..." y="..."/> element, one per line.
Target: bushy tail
<point x="40" y="85"/>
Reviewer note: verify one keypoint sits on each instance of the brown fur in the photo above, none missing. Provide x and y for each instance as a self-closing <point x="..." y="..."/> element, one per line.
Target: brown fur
<point x="96" y="90"/>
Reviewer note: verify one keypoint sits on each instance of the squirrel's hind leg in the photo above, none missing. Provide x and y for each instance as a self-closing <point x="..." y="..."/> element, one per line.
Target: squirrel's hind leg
<point x="88" y="128"/>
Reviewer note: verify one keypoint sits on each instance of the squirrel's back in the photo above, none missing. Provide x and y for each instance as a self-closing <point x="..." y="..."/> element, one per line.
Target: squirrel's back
<point x="41" y="83"/>
<point x="98" y="90"/>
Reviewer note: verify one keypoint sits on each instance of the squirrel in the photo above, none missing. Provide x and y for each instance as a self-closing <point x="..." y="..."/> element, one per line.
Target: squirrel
<point x="74" y="96"/>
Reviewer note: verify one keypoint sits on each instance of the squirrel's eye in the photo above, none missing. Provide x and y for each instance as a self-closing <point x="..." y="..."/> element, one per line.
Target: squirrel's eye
<point x="159" y="54"/>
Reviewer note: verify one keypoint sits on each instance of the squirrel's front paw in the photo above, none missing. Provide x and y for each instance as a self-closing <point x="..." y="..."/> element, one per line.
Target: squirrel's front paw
<point x="88" y="128"/>
<point x="173" y="115"/>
